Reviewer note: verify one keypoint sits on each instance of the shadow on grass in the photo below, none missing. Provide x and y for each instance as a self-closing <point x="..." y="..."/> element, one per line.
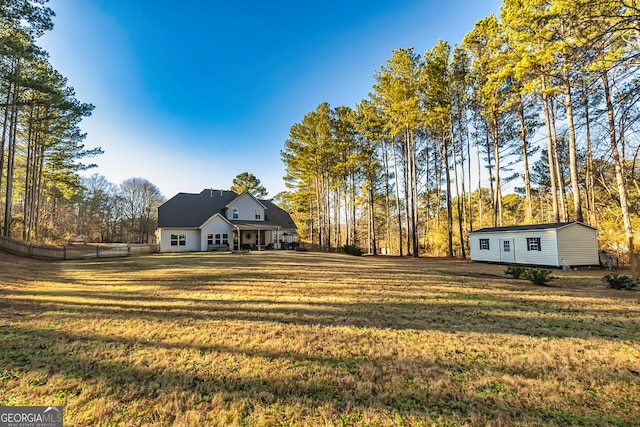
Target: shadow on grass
<point x="68" y="354"/>
<point x="404" y="301"/>
<point x="446" y="312"/>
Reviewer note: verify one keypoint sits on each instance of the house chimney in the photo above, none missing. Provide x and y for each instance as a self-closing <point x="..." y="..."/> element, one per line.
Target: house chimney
<point x="220" y="193"/>
<point x="211" y="192"/>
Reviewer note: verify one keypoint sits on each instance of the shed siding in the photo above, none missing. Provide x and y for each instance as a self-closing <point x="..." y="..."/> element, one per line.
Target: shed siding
<point x="574" y="244"/>
<point x="491" y="255"/>
<point x="548" y="255"/>
<point x="577" y="245"/>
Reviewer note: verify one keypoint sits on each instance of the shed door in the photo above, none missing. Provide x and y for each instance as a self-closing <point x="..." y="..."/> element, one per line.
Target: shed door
<point x="507" y="250"/>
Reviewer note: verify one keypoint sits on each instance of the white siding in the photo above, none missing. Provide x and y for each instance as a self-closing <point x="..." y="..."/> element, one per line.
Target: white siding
<point x="572" y="245"/>
<point x="215" y="225"/>
<point x="546" y="256"/>
<point x="192" y="240"/>
<point x="548" y="253"/>
<point x="491" y="255"/>
<point x="578" y="245"/>
<point x="247" y="207"/>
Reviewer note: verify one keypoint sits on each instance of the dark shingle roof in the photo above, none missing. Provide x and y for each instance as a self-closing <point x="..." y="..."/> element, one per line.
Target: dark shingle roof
<point x="552" y="226"/>
<point x="188" y="210"/>
<point x="277" y="216"/>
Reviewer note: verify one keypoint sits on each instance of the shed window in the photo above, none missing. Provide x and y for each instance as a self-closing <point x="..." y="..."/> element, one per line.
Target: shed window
<point x="484" y="244"/>
<point x="533" y="244"/>
<point x="506" y="246"/>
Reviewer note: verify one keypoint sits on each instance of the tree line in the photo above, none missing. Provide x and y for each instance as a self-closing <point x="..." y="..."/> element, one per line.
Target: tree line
<point x="41" y="145"/>
<point x="542" y="99"/>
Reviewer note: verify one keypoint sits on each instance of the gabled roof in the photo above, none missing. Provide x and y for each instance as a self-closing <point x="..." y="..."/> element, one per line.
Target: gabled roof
<point x="188" y="210"/>
<point x="213" y="217"/>
<point x="529" y="227"/>
<point x="246" y="193"/>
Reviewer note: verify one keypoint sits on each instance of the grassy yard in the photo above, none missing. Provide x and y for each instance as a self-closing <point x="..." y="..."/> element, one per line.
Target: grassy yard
<point x="315" y="339"/>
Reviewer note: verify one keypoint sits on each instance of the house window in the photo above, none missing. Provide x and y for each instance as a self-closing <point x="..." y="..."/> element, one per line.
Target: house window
<point x="258" y="216"/>
<point x="178" y="240"/>
<point x="209" y="239"/>
<point x="533" y="244"/>
<point x="235" y="214"/>
<point x="484" y="244"/>
<point x="225" y="239"/>
<point x="218" y="239"/>
<point x="506" y="246"/>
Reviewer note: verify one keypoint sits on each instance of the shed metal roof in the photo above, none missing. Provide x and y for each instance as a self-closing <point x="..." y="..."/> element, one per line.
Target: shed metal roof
<point x="530" y="227"/>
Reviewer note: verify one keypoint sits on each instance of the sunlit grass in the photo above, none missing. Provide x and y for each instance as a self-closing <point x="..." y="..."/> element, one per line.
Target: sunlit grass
<point x="315" y="339"/>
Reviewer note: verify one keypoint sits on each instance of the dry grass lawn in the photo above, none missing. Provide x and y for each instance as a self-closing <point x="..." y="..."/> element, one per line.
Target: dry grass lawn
<point x="277" y="338"/>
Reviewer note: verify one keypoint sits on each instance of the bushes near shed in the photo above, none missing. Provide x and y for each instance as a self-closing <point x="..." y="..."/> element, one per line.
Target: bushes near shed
<point x="537" y="276"/>
<point x="515" y="271"/>
<point x="621" y="281"/>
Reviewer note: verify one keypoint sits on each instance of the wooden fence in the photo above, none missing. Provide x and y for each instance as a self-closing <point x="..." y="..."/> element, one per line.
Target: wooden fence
<point x="75" y="251"/>
<point x="312" y="247"/>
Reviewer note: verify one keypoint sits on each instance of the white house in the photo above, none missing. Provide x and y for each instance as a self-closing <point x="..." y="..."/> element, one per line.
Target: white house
<point x="218" y="219"/>
<point x="557" y="245"/>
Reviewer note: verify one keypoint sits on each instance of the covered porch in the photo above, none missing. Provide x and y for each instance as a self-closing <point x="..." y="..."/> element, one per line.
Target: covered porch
<point x="252" y="236"/>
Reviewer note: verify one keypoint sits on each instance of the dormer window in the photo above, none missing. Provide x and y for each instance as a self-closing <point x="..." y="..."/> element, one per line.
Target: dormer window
<point x="235" y="214"/>
<point x="258" y="216"/>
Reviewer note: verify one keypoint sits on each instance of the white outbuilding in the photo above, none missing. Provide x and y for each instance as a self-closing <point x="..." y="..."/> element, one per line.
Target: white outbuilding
<point x="562" y="244"/>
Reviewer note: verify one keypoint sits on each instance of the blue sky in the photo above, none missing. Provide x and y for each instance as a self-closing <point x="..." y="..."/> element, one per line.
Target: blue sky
<point x="189" y="94"/>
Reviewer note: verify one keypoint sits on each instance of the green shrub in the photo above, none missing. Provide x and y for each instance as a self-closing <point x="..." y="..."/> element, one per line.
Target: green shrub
<point x="616" y="281"/>
<point x="537" y="276"/>
<point x="515" y="271"/>
<point x="352" y="250"/>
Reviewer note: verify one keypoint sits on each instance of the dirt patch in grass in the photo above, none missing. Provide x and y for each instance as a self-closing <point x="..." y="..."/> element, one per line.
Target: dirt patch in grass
<point x="282" y="338"/>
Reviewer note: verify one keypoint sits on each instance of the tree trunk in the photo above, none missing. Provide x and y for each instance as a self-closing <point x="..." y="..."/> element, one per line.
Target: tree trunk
<point x="372" y="217"/>
<point x="550" y="158"/>
<point x="5" y="126"/>
<point x="480" y="218"/>
<point x="525" y="159"/>
<point x="497" y="203"/>
<point x="11" y="151"/>
<point x="589" y="184"/>
<point x="414" y="194"/>
<point x="573" y="158"/>
<point x="556" y="159"/>
<point x="397" y="188"/>
<point x="619" y="167"/>
<point x="387" y="194"/>
<point x="459" y="197"/>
